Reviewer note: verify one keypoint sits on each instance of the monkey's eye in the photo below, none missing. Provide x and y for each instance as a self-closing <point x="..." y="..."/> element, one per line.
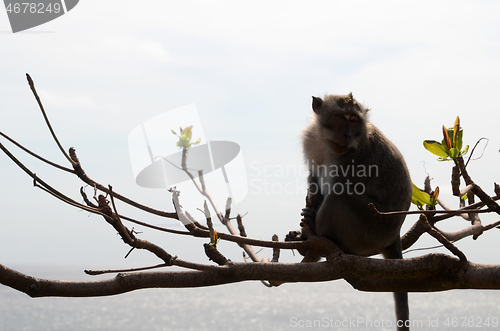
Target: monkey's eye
<point x="351" y="118"/>
<point x="334" y="121"/>
<point x="341" y="117"/>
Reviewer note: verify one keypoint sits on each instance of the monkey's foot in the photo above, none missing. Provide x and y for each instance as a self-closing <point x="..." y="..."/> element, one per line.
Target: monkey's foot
<point x="294" y="236"/>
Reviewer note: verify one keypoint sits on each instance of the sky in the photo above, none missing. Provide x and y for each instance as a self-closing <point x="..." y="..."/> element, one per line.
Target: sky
<point x="250" y="69"/>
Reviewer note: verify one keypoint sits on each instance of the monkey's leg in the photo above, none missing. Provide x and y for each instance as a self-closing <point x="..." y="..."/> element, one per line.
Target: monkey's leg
<point x="308" y="221"/>
<point x="400" y="298"/>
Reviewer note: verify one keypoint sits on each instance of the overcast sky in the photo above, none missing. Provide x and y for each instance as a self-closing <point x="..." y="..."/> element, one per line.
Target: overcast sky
<point x="250" y="69"/>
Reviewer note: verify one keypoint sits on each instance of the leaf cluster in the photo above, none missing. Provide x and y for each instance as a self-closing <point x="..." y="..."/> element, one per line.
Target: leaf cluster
<point x="185" y="137"/>
<point x="450" y="148"/>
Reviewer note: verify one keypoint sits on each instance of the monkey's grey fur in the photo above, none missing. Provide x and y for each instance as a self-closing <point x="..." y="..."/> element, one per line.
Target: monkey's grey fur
<point x="352" y="164"/>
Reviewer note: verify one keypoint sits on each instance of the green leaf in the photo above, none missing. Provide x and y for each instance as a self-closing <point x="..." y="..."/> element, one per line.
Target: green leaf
<point x="454" y="153"/>
<point x="420" y="198"/>
<point x="466" y="149"/>
<point x="435" y="196"/>
<point x="458" y="144"/>
<point x="456" y="129"/>
<point x="447" y="137"/>
<point x="185" y="138"/>
<point x="187" y="133"/>
<point x="436" y="148"/>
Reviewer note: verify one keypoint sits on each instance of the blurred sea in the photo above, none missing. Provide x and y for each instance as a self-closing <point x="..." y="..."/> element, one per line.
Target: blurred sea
<point x="245" y="306"/>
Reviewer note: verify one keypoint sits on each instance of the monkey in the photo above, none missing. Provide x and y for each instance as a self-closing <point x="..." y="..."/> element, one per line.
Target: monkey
<point x="351" y="164"/>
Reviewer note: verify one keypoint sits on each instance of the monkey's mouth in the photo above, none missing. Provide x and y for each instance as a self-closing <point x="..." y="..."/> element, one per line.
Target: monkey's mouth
<point x="339" y="149"/>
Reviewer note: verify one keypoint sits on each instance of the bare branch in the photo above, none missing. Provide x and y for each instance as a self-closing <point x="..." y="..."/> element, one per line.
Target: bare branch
<point x="32" y="86"/>
<point x="276" y="251"/>
<point x="468" y="231"/>
<point x="159" y="228"/>
<point x="224" y="220"/>
<point x="381" y="275"/>
<point x="410" y="237"/>
<point x="241" y="227"/>
<point x="449" y="213"/>
<point x="36" y="155"/>
<point x="128" y="236"/>
<point x="115" y="271"/>
<point x="32" y="175"/>
<point x="437" y="234"/>
<point x="466" y="190"/>
<point x="83" y="176"/>
<point x="478" y="191"/>
<point x="214" y="255"/>
<point x="447" y="208"/>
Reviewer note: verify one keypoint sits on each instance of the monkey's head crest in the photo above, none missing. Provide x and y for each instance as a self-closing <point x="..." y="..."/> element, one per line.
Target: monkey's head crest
<point x="348" y="102"/>
<point x="345" y="102"/>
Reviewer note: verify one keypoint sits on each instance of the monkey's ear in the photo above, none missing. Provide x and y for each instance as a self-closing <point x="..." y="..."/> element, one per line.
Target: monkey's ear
<point x="317" y="103"/>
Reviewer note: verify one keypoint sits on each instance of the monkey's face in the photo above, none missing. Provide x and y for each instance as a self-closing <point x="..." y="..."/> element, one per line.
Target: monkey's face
<point x="341" y="132"/>
<point x="341" y="122"/>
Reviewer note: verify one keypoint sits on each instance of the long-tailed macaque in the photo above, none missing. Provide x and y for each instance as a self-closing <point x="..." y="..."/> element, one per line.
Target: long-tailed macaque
<point x="352" y="164"/>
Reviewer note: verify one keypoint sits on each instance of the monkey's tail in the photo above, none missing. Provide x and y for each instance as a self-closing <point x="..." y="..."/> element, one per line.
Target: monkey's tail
<point x="402" y="311"/>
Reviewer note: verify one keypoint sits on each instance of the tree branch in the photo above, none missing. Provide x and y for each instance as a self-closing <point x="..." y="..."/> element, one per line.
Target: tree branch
<point x="366" y="274"/>
<point x="32" y="86"/>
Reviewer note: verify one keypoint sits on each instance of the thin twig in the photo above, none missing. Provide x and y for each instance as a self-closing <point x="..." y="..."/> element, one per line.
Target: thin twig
<point x="474" y="148"/>
<point x="32" y="175"/>
<point x="32" y="86"/>
<point x="439" y="236"/>
<point x="210" y="224"/>
<point x="222" y="219"/>
<point x="112" y="271"/>
<point x="65" y="199"/>
<point x="155" y="227"/>
<point x="447" y="208"/>
<point x="36" y="155"/>
<point x="474" y="206"/>
<point x="86" y="179"/>
<point x="467" y="209"/>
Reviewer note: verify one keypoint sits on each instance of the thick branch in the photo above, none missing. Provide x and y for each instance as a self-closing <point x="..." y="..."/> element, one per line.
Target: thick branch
<point x="433" y="272"/>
